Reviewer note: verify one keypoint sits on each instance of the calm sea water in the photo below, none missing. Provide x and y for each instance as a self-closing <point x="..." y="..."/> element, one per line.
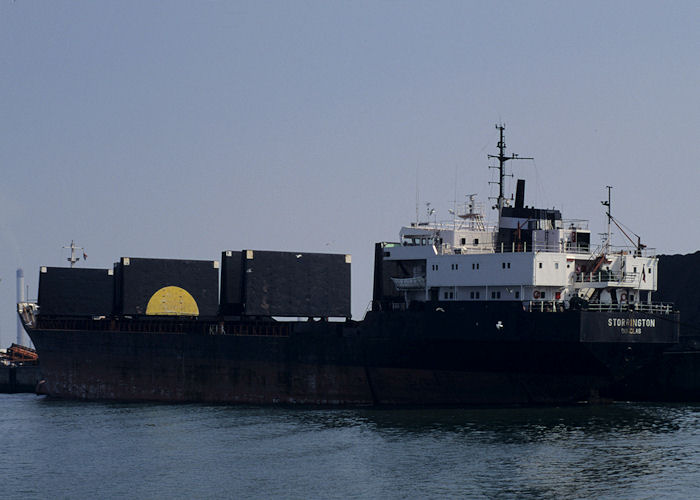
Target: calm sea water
<point x="59" y="449"/>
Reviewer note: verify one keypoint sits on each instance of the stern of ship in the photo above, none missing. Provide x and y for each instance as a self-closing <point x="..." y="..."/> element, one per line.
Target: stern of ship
<point x="626" y="341"/>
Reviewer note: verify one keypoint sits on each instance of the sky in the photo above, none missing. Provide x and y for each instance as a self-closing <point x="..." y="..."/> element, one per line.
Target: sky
<point x="181" y="129"/>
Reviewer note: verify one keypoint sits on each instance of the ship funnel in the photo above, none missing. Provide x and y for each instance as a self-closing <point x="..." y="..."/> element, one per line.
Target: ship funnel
<point x="520" y="194"/>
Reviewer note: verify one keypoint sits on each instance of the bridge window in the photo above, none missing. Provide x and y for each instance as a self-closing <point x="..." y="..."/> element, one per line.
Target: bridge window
<point x="476" y="241"/>
<point x="540" y="265"/>
<point x="517" y="294"/>
<point x="463" y="241"/>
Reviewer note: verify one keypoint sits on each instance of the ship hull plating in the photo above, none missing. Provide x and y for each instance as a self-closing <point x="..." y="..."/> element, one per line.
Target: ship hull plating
<point x="471" y="356"/>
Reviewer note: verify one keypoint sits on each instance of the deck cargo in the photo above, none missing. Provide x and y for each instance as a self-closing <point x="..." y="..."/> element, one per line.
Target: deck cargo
<point x="231" y="300"/>
<point x="269" y="283"/>
<point x="76" y="291"/>
<point x="166" y="287"/>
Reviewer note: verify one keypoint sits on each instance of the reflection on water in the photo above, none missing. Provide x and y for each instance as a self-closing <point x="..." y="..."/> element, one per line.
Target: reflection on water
<point x="91" y="449"/>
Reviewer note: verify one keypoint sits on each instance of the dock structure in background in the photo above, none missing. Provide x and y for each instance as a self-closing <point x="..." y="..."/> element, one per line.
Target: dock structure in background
<point x="20" y="298"/>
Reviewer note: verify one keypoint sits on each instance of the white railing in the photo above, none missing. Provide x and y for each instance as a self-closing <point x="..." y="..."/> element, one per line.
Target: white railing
<point x="546" y="306"/>
<point x="572" y="248"/>
<point x="450" y="225"/>
<point x="481" y="248"/>
<point x="654" y="307"/>
<point x="607" y="277"/>
<point x="574" y="224"/>
<point x="560" y="306"/>
<point x="569" y="247"/>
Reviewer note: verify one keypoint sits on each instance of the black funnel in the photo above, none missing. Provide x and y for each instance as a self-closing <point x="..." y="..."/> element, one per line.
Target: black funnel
<point x="520" y="194"/>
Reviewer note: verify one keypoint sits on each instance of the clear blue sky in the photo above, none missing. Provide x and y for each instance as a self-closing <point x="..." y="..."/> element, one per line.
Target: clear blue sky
<point x="181" y="129"/>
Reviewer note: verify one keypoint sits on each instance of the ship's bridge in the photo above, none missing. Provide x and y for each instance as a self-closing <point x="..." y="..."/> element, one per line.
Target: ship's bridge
<point x="449" y="237"/>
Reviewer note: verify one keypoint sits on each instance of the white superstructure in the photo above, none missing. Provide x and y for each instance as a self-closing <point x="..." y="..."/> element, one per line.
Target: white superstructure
<point x="531" y="255"/>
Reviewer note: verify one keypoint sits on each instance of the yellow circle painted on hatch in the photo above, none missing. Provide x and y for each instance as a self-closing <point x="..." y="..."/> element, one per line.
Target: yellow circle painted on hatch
<point x="172" y="301"/>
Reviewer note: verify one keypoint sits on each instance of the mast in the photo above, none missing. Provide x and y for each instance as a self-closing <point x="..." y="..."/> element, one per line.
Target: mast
<point x="609" y="214"/>
<point x="502" y="159"/>
<point x="73" y="259"/>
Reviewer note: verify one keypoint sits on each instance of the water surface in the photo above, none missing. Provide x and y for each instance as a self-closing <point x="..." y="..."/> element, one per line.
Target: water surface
<point x="63" y="449"/>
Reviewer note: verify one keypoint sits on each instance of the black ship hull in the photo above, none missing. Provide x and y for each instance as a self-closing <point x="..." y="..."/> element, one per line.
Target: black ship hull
<point x="675" y="377"/>
<point x="445" y="354"/>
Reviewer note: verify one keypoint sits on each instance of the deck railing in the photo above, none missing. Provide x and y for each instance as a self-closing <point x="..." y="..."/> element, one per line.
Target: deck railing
<point x="560" y="306"/>
<point x="654" y="307"/>
<point x="571" y="248"/>
<point x="609" y="277"/>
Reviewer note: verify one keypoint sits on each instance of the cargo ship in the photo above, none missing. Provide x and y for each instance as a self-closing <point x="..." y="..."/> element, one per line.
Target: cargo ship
<point x="522" y="311"/>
